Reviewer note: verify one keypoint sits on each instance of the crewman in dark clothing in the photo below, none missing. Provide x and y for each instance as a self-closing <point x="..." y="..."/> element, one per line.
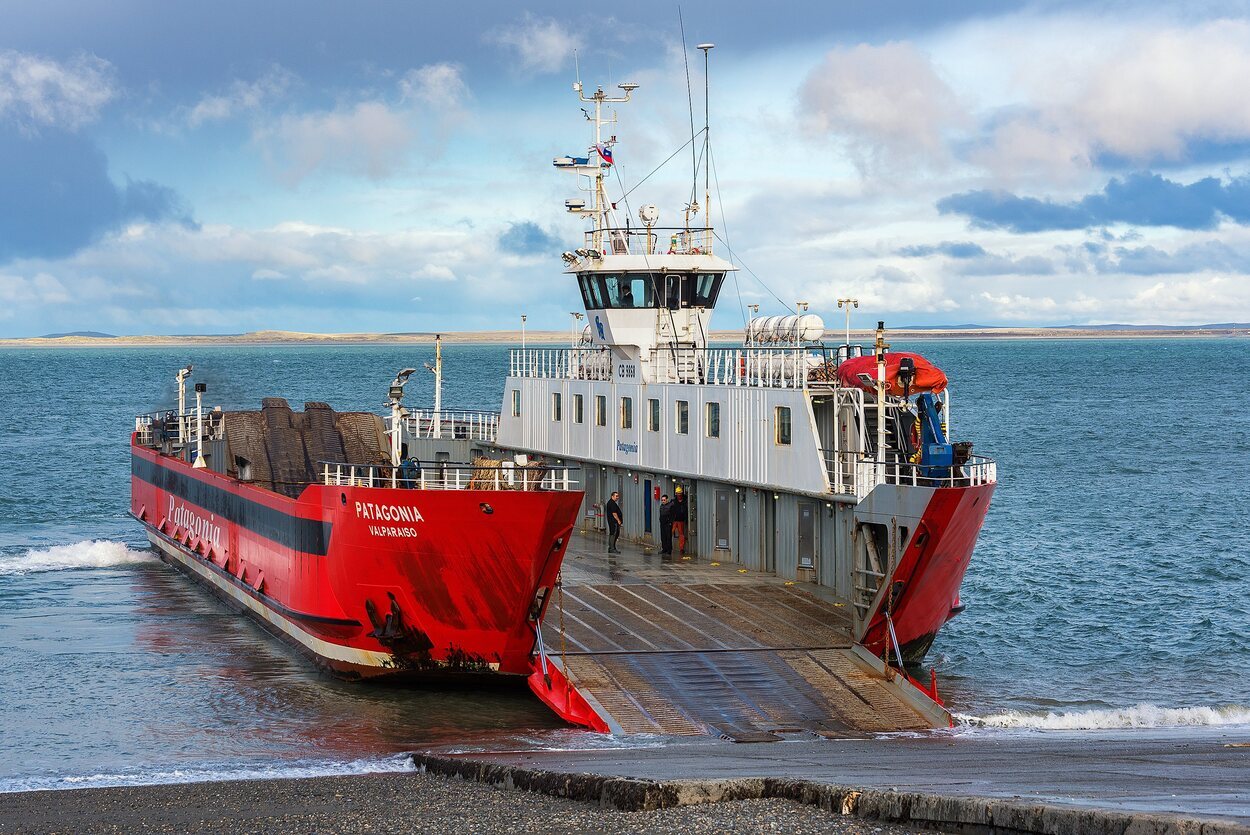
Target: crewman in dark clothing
<point x="666" y="525"/>
<point x="613" y="511"/>
<point x="681" y="516"/>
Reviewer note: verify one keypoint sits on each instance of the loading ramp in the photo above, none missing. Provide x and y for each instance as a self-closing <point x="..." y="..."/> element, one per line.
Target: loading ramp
<point x="663" y="645"/>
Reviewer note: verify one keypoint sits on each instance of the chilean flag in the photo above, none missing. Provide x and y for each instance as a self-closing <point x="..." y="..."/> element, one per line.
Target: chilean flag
<point x="605" y="152"/>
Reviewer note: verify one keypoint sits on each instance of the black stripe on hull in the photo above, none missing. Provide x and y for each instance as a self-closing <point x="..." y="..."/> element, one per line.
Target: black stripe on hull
<point x="308" y="536"/>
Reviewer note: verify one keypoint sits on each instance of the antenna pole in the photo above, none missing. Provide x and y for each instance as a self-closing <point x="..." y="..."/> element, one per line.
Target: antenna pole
<point x="438" y="385"/>
<point x="707" y="166"/>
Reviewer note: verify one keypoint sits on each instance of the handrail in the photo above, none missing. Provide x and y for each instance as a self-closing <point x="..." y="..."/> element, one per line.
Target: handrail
<point x="634" y="241"/>
<point x="561" y="363"/>
<point x="859" y="472"/>
<point x="451" y="475"/>
<point x="460" y="424"/>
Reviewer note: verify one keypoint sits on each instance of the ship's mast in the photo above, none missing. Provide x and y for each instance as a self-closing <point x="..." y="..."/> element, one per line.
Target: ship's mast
<point x="602" y="208"/>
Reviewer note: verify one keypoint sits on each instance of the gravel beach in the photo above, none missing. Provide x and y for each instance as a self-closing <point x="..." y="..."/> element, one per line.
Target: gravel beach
<point x="387" y="803"/>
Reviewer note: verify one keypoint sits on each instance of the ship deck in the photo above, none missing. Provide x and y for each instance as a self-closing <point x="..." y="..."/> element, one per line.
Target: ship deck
<point x="679" y="646"/>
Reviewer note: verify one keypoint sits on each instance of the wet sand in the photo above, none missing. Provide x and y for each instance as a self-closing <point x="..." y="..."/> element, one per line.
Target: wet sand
<point x="389" y="803"/>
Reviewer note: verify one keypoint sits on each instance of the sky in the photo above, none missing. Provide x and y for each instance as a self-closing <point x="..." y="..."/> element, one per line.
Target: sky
<point x="176" y="168"/>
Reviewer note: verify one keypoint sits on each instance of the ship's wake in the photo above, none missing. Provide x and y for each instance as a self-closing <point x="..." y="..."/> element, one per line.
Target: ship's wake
<point x="91" y="553"/>
<point x="1136" y="716"/>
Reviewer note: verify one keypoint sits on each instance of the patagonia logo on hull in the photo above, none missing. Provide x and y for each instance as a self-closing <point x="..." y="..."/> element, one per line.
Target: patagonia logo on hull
<point x="187" y="519"/>
<point x="375" y="512"/>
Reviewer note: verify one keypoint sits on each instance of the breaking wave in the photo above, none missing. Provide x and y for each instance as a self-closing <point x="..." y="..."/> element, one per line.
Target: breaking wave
<point x="207" y="773"/>
<point x="92" y="553"/>
<point x="1137" y="716"/>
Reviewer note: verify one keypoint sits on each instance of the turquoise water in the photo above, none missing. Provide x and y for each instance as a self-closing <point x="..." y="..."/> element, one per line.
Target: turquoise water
<point x="1111" y="586"/>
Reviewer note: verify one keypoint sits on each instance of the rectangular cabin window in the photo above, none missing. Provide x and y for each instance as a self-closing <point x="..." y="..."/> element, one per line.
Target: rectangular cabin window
<point x="685" y="290"/>
<point x="601" y="410"/>
<point x="683" y="418"/>
<point x="579" y="414"/>
<point x="713" y="420"/>
<point x="627" y="413"/>
<point x="653" y="415"/>
<point x="516" y="402"/>
<point x="555" y="406"/>
<point x="782" y="428"/>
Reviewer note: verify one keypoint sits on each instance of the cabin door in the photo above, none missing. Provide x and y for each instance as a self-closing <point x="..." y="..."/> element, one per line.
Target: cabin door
<point x="768" y="532"/>
<point x="807" y="535"/>
<point x="722" y="520"/>
<point x="646" y="505"/>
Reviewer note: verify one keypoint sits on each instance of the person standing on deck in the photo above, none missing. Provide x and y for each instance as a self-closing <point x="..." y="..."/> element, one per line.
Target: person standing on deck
<point x="681" y="515"/>
<point x="615" y="520"/>
<point x="666" y="525"/>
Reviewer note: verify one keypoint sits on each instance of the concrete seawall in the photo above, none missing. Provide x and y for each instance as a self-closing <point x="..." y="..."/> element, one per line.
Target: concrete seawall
<point x="946" y="813"/>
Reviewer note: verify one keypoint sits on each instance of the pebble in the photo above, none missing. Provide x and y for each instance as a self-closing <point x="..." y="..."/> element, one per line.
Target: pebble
<point x="388" y="803"/>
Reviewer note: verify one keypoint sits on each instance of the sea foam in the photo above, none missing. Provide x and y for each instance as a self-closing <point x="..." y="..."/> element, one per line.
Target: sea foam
<point x="92" y="553"/>
<point x="213" y="772"/>
<point x="1137" y="716"/>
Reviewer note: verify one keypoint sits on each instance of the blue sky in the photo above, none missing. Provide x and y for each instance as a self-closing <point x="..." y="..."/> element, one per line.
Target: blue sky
<point x="385" y="166"/>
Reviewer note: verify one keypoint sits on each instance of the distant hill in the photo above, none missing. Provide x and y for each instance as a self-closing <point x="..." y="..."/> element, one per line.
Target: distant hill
<point x="1119" y="327"/>
<point x="92" y="334"/>
<point x="1111" y="327"/>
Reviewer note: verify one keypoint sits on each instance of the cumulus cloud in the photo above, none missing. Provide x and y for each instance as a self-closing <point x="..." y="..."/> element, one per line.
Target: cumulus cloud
<point x="68" y="199"/>
<point x="1089" y="89"/>
<point x="887" y="104"/>
<point x="951" y="249"/>
<point x="240" y="97"/>
<point x="38" y="92"/>
<point x="539" y="45"/>
<point x="888" y="288"/>
<point x="440" y="86"/>
<point x="368" y="138"/>
<point x="1142" y="199"/>
<point x="527" y="238"/>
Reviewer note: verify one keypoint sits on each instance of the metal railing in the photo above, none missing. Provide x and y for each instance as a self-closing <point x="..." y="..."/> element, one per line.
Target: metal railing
<point x="448" y="475"/>
<point x="461" y="425"/>
<point x="158" y="428"/>
<point x="773" y="367"/>
<point x="561" y="363"/>
<point x="654" y="241"/>
<point x="858" y="472"/>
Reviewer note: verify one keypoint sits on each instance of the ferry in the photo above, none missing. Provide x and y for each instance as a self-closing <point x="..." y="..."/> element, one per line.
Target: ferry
<point x="319" y="525"/>
<point x="824" y="464"/>
<point x="430" y="542"/>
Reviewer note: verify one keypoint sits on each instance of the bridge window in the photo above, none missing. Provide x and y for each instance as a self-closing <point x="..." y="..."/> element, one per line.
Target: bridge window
<point x="555" y="406"/>
<point x="516" y="402"/>
<point x="683" y="418"/>
<point x="713" y="420"/>
<point x="601" y="410"/>
<point x="579" y="414"/>
<point x="653" y="415"/>
<point x="782" y="427"/>
<point x="627" y="413"/>
<point x="679" y="290"/>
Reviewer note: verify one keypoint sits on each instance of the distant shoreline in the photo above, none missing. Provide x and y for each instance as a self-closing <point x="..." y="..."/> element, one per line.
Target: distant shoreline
<point x="544" y="338"/>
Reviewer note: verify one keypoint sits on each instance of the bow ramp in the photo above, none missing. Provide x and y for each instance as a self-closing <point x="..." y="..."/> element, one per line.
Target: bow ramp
<point x="650" y="644"/>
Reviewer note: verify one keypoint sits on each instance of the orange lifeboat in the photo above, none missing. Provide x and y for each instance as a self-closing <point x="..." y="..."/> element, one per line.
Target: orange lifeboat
<point x="861" y="372"/>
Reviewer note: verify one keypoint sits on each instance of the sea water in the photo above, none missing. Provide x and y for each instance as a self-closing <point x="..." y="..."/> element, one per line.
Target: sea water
<point x="1110" y="587"/>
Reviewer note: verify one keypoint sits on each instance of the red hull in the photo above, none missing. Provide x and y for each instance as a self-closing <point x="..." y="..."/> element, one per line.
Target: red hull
<point x="925" y="586"/>
<point x="369" y="581"/>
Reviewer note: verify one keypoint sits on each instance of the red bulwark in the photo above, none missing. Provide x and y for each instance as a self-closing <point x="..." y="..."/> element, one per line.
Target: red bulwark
<point x="924" y="591"/>
<point x="368" y="581"/>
